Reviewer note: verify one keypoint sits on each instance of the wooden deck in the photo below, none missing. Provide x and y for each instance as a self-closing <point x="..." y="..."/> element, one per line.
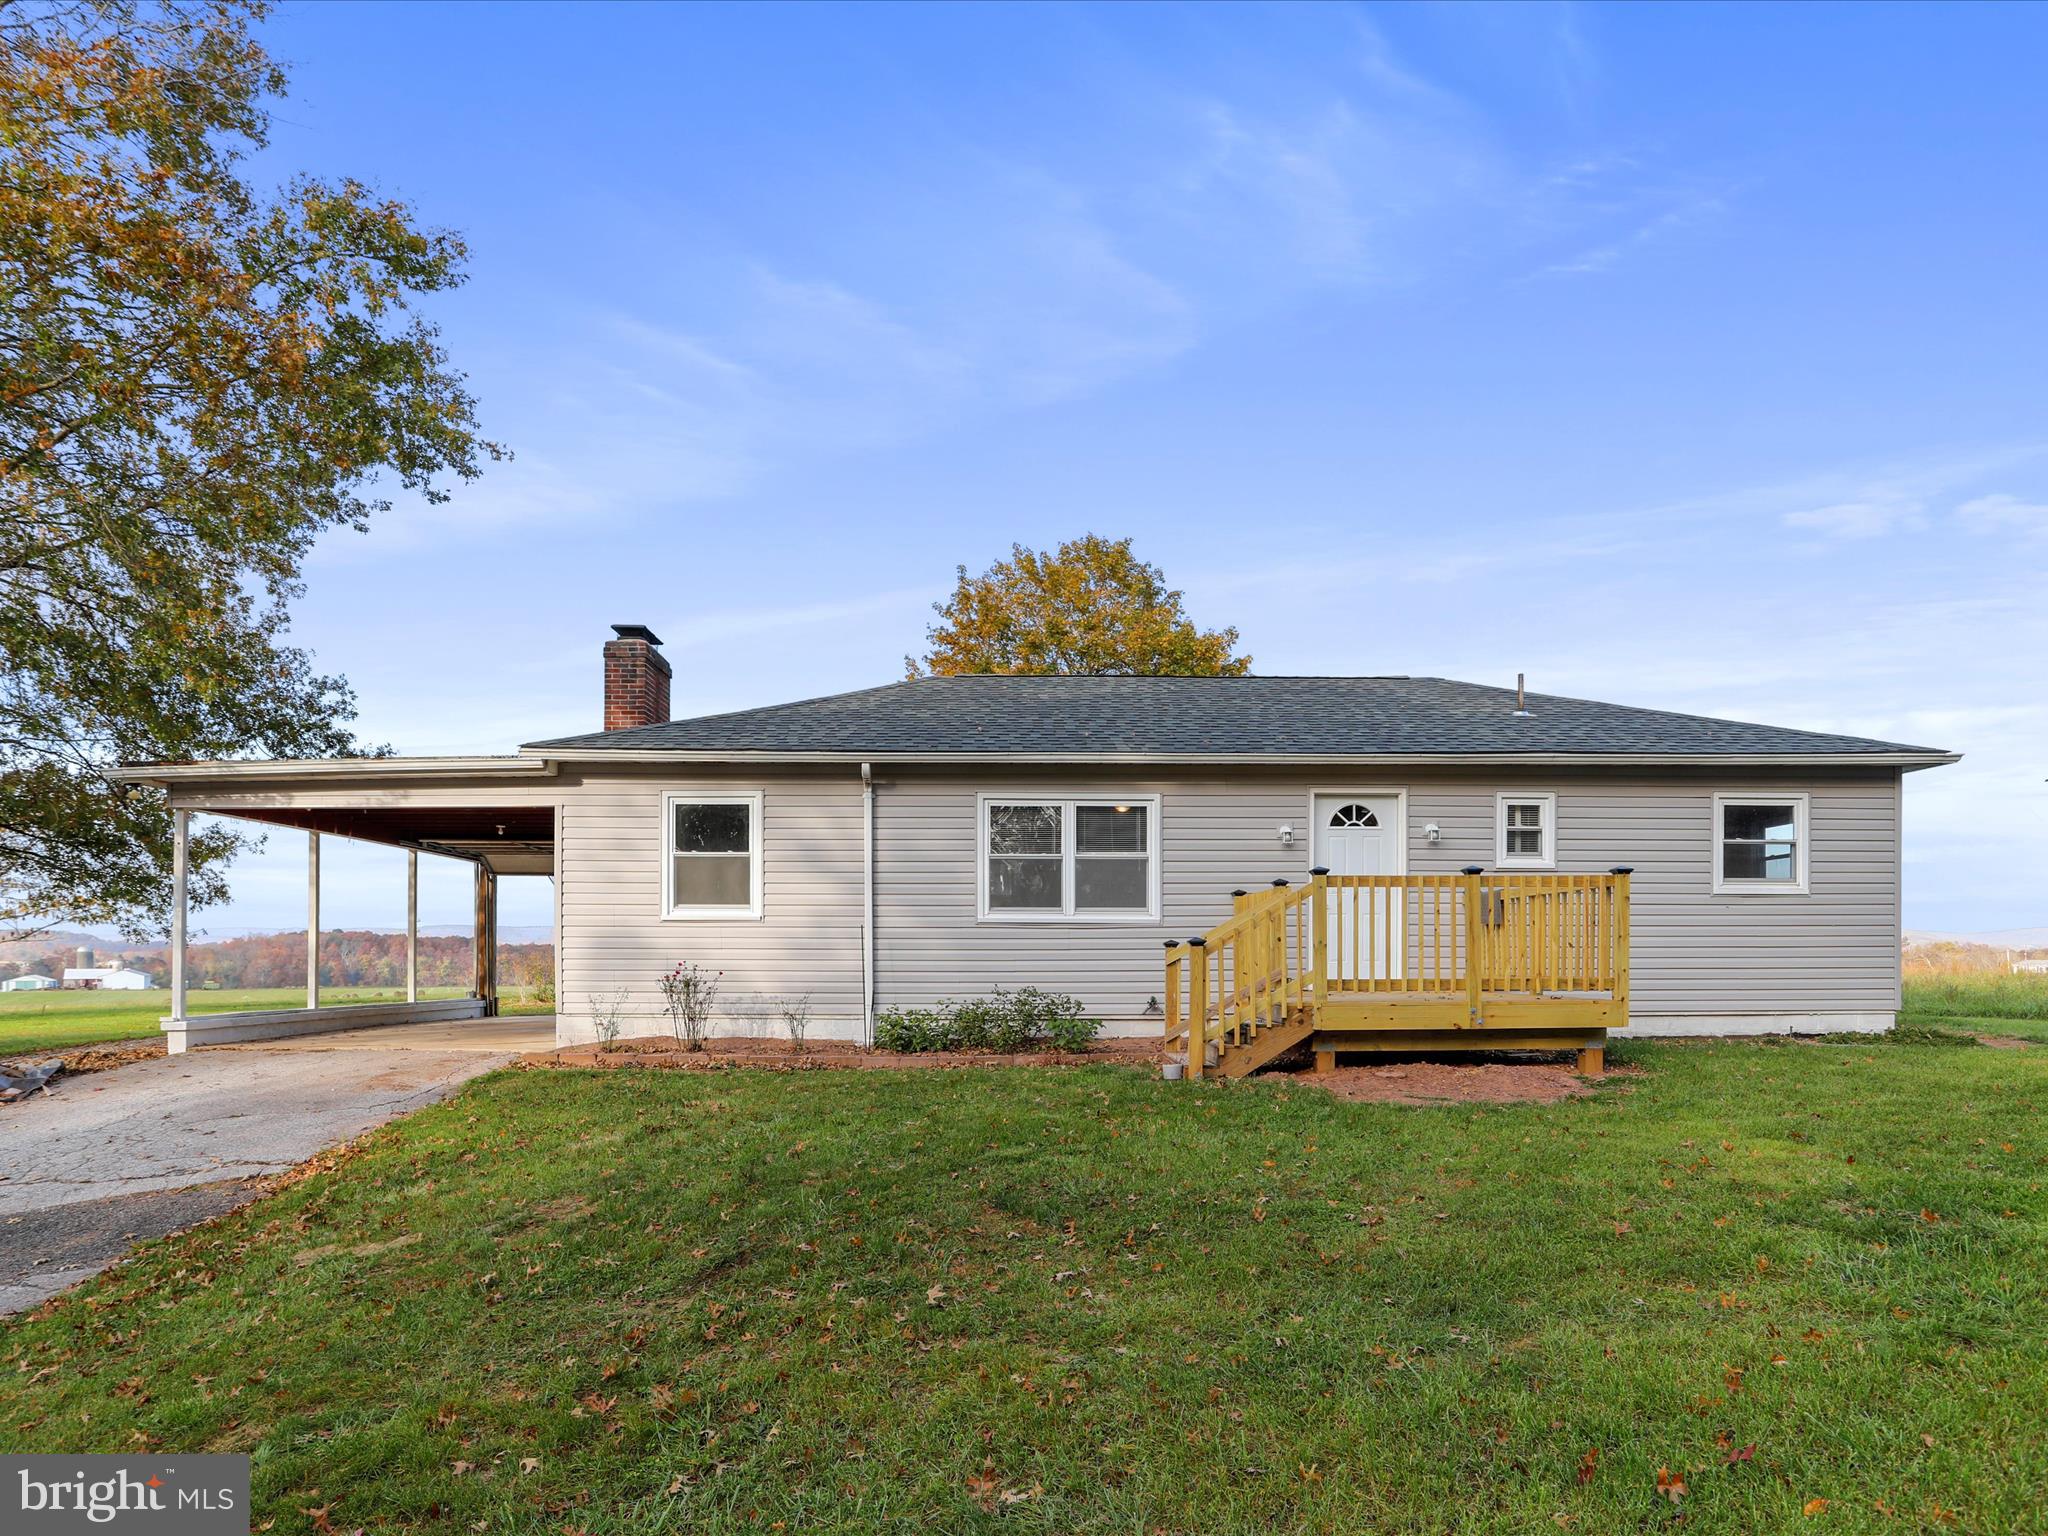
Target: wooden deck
<point x="1470" y="961"/>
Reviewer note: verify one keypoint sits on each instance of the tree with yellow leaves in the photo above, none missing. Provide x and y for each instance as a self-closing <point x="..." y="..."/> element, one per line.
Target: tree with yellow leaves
<point x="1091" y="607"/>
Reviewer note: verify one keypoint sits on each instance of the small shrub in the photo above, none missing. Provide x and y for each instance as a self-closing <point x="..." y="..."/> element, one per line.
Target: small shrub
<point x="913" y="1029"/>
<point x="1004" y="1022"/>
<point x="1071" y="1034"/>
<point x="687" y="992"/>
<point x="606" y="1011"/>
<point x="796" y="1018"/>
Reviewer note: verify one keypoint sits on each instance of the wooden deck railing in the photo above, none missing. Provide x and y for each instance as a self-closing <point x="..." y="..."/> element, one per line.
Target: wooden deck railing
<point x="1291" y="952"/>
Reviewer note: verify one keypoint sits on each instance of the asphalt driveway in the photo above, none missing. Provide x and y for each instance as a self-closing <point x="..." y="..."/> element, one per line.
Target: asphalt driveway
<point x="111" y="1158"/>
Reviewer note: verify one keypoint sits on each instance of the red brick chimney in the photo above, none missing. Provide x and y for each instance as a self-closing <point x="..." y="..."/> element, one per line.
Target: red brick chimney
<point x="635" y="679"/>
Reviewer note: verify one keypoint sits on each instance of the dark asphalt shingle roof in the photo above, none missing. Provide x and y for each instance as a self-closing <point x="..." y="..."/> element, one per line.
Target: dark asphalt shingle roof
<point x="1201" y="716"/>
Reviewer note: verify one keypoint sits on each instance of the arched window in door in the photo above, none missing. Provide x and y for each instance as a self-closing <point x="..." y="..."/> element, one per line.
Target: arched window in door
<point x="1354" y="815"/>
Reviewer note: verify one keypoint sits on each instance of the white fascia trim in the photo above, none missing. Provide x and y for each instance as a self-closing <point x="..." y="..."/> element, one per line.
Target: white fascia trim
<point x="166" y="774"/>
<point x="1904" y="760"/>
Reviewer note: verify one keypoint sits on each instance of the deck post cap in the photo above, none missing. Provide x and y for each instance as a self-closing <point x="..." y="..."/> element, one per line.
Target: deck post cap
<point x="1173" y="943"/>
<point x="1622" y="869"/>
<point x="1473" y="869"/>
<point x="1199" y="943"/>
<point x="1281" y="881"/>
<point x="1239" y="892"/>
<point x="1320" y="869"/>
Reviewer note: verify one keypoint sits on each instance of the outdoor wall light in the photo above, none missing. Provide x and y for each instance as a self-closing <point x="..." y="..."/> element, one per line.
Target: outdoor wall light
<point x="1433" y="832"/>
<point x="1286" y="834"/>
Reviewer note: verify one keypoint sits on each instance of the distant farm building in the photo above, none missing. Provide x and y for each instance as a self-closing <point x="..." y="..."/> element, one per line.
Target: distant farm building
<point x="29" y="983"/>
<point x="107" y="978"/>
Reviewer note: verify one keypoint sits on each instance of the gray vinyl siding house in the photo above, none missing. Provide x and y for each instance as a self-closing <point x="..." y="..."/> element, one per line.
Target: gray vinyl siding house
<point x="852" y="848"/>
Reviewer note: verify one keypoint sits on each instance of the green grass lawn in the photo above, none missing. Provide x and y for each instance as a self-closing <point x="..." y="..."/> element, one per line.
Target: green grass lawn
<point x="1993" y="1004"/>
<point x="1088" y="1300"/>
<point x="44" y="1021"/>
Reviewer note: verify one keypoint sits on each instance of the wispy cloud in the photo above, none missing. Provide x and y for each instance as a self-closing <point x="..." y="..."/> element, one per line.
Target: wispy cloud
<point x="723" y="624"/>
<point x="1856" y="519"/>
<point x="2001" y="513"/>
<point x="1682" y="210"/>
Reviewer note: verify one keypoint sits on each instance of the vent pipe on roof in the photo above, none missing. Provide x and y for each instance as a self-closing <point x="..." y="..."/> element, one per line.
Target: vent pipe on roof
<point x="1521" y="697"/>
<point x="636" y="678"/>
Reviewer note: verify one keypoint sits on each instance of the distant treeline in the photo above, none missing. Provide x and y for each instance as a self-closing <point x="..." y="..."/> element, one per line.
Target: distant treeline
<point x="347" y="959"/>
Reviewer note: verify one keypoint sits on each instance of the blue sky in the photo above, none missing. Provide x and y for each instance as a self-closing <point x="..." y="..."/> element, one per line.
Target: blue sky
<point x="1688" y="357"/>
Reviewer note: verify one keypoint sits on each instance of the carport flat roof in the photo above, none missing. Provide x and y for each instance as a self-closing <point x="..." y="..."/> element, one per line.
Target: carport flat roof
<point x="511" y="839"/>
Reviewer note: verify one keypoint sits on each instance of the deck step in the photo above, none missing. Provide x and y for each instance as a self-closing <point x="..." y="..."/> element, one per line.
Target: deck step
<point x="1268" y="1044"/>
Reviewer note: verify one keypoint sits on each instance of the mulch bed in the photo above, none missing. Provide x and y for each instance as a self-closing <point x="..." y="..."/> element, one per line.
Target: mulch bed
<point x="660" y="1052"/>
<point x="1402" y="1082"/>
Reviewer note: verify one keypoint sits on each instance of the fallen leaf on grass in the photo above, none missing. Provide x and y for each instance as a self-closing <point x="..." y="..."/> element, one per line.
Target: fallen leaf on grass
<point x="1588" y="1464"/>
<point x="1740" y="1454"/>
<point x="528" y="1464"/>
<point x="1671" y="1485"/>
<point x="983" y="1487"/>
<point x="1814" y="1507"/>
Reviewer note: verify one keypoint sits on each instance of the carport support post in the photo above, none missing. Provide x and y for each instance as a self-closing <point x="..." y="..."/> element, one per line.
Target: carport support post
<point x="312" y="919"/>
<point x="485" y="969"/>
<point x="412" y="925"/>
<point x="181" y="840"/>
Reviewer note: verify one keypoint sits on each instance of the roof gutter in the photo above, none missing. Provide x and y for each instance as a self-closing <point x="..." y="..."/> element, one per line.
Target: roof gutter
<point x="163" y="775"/>
<point x="1906" y="760"/>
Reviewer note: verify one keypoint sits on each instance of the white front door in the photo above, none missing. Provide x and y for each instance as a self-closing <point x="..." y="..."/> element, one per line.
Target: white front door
<point x="1361" y="835"/>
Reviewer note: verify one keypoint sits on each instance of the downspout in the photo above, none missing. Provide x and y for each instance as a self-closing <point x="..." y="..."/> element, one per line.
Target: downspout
<point x="867" y="911"/>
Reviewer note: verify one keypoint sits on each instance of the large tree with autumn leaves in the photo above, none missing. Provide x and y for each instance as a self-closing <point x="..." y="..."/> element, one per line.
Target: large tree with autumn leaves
<point x="197" y="377"/>
<point x="1091" y="606"/>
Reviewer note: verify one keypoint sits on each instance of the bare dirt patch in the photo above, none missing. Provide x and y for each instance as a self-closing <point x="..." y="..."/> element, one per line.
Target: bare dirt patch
<point x="1442" y="1082"/>
<point x="2003" y="1042"/>
<point x="828" y="1055"/>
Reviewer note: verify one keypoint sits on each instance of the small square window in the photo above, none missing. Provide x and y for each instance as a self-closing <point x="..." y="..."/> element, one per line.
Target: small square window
<point x="1760" y="845"/>
<point x="1524" y="831"/>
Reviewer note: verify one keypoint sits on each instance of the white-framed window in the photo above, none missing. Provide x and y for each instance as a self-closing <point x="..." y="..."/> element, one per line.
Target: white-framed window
<point x="1061" y="858"/>
<point x="710" y="855"/>
<point x="1760" y="845"/>
<point x="1525" y="831"/>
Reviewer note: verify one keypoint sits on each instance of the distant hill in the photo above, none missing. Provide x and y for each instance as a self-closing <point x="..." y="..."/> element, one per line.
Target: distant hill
<point x="67" y="941"/>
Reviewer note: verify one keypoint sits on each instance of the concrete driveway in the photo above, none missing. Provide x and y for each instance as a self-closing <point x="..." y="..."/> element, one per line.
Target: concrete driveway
<point x="111" y="1158"/>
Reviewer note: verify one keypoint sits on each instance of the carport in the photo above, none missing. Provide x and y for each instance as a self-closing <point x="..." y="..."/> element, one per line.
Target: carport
<point x="499" y="815"/>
